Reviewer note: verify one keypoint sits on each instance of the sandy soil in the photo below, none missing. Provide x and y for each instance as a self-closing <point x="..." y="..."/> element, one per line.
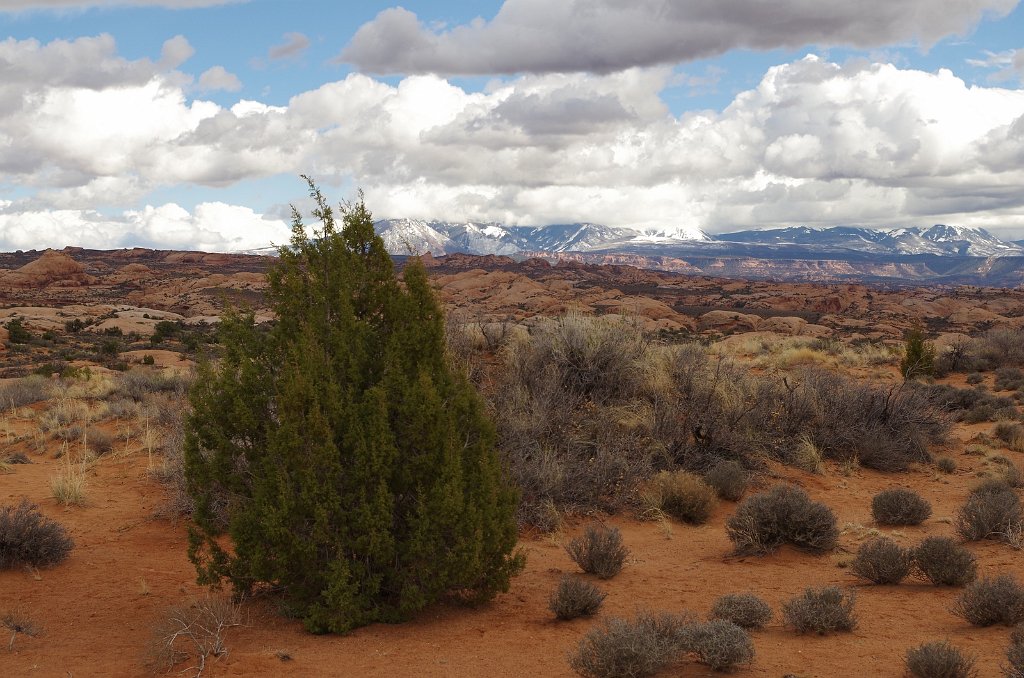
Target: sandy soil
<point x="98" y="608"/>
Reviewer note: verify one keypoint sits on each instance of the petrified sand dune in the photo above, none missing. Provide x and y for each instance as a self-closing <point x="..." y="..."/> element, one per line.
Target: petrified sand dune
<point x="50" y="268"/>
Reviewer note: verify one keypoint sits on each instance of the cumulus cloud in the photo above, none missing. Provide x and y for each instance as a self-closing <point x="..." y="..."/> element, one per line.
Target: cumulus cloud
<point x="601" y="36"/>
<point x="294" y="45"/>
<point x="212" y="226"/>
<point x="218" y="78"/>
<point x="814" y="143"/>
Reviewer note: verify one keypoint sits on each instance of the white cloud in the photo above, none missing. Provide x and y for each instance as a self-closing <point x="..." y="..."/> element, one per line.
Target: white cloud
<point x="815" y="142"/>
<point x="294" y="45"/>
<point x="175" y="52"/>
<point x="218" y="78"/>
<point x="213" y="227"/>
<point x="541" y="36"/>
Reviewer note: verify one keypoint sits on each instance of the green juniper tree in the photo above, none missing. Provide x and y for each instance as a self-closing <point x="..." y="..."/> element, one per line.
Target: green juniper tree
<point x="918" y="355"/>
<point x="353" y="471"/>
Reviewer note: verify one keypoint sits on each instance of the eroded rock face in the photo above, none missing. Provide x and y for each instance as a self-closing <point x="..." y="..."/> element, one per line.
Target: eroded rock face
<point x="49" y="269"/>
<point x="728" y="322"/>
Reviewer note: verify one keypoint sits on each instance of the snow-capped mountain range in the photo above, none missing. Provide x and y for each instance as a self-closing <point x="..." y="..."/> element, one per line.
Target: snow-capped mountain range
<point x="412" y="236"/>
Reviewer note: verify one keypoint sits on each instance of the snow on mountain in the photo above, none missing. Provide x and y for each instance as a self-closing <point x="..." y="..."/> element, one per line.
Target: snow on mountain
<point x="413" y="236"/>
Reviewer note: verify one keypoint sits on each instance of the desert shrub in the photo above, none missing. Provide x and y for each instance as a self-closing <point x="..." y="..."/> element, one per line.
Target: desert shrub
<point x="139" y="384"/>
<point x="17" y="332"/>
<point x="574" y="598"/>
<point x="192" y="631"/>
<point x="785" y="514"/>
<point x="632" y="648"/>
<point x="721" y="645"/>
<point x="68" y="488"/>
<point x="944" y="562"/>
<point x="25" y="391"/>
<point x="990" y="601"/>
<point x="975" y="378"/>
<point x="728" y="478"/>
<point x="743" y="609"/>
<point x="918" y="356"/>
<point x="971" y="405"/>
<point x="946" y="464"/>
<point x="1011" y="434"/>
<point x="820" y="611"/>
<point x="999" y="347"/>
<point x="1015" y="654"/>
<point x="1009" y="379"/>
<point x="939" y="659"/>
<point x="100" y="442"/>
<point x="599" y="551"/>
<point x="989" y="515"/>
<point x="148" y="360"/>
<point x="899" y="506"/>
<point x="27" y="537"/>
<point x="881" y="561"/>
<point x="681" y="495"/>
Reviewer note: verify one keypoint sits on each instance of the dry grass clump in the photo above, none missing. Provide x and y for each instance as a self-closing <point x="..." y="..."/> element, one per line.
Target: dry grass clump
<point x="1011" y="434"/>
<point x="784" y="514"/>
<point x="681" y="495"/>
<point x="1009" y="379"/>
<point x="990" y="601"/>
<point x="192" y="632"/>
<point x="820" y="611"/>
<point x="944" y="562"/>
<point x="574" y="598"/>
<point x="138" y="384"/>
<point x="599" y="551"/>
<point x="27" y="537"/>
<point x="20" y="392"/>
<point x="899" y="506"/>
<point x="992" y="511"/>
<point x="743" y="609"/>
<point x="939" y="659"/>
<point x="946" y="464"/>
<point x="882" y="561"/>
<point x="68" y="487"/>
<point x="728" y="479"/>
<point x="16" y="623"/>
<point x="632" y="648"/>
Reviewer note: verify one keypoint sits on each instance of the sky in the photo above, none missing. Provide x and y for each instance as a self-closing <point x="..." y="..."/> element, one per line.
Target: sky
<point x="185" y="124"/>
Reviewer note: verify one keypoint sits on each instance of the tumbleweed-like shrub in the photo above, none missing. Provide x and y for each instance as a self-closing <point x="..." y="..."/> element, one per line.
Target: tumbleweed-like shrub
<point x="899" y="506"/>
<point x="599" y="551"/>
<point x="721" y="645"/>
<point x="992" y="600"/>
<point x="820" y="611"/>
<point x="632" y="648"/>
<point x="729" y="479"/>
<point x="743" y="609"/>
<point x="939" y="659"/>
<point x="682" y="495"/>
<point x="575" y="597"/>
<point x="782" y="515"/>
<point x="27" y="537"/>
<point x="944" y="562"/>
<point x="994" y="514"/>
<point x="881" y="561"/>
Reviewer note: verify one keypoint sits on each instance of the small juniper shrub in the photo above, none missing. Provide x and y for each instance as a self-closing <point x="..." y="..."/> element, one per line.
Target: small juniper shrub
<point x="991" y="513"/>
<point x="743" y="609"/>
<point x="27" y="537"/>
<point x="681" y="495"/>
<point x="946" y="464"/>
<point x="632" y="647"/>
<point x="599" y="551"/>
<point x="784" y="514"/>
<point x="939" y="659"/>
<point x="820" y="611"/>
<point x="729" y="479"/>
<point x="944" y="562"/>
<point x="721" y="645"/>
<point x="990" y="601"/>
<point x="899" y="506"/>
<point x="1015" y="654"/>
<point x="882" y="561"/>
<point x="575" y="597"/>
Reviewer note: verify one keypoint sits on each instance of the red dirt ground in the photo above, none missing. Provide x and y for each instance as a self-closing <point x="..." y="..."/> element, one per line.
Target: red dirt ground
<point x="98" y="609"/>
